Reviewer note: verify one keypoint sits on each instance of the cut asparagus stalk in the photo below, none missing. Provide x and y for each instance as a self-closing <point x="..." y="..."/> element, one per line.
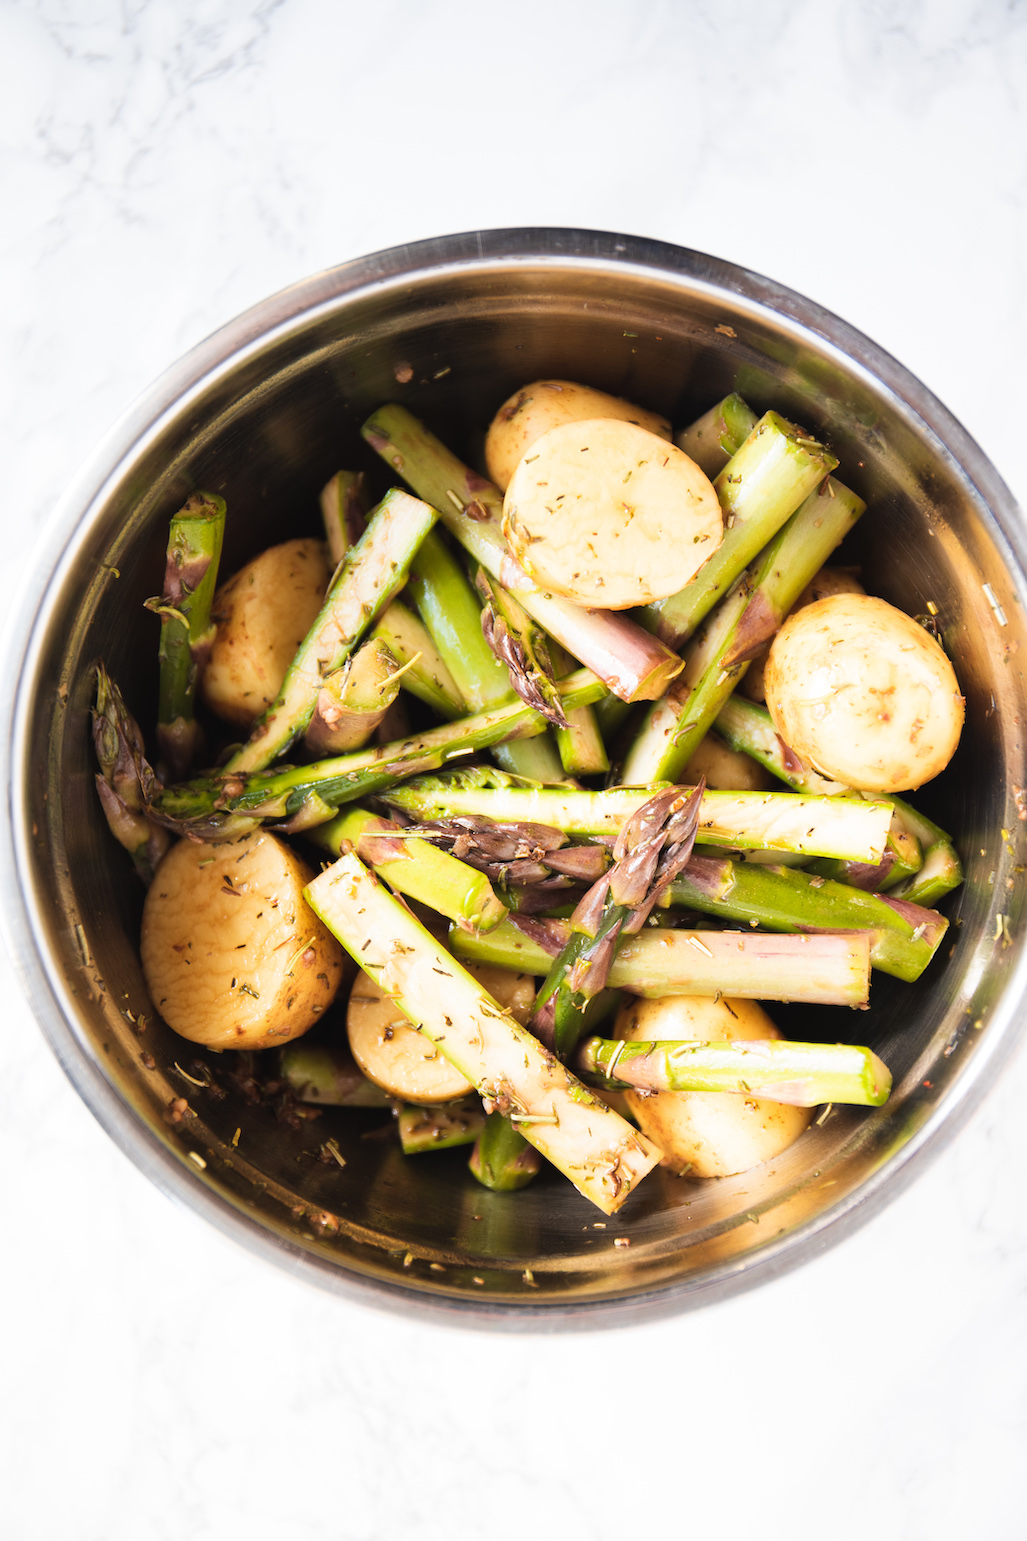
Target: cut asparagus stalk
<point x="440" y="1128"/>
<point x="426" y="675"/>
<point x="329" y="1075"/>
<point x="126" y="783"/>
<point x="502" y="1159"/>
<point x="762" y="485"/>
<point x="343" y="510"/>
<point x="594" y="1147"/>
<point x="827" y="968"/>
<point x="186" y="630"/>
<point x="749" y="728"/>
<point x="580" y="744"/>
<point x="651" y="851"/>
<point x="746" y="618"/>
<point x="373" y="571"/>
<point x="784" y="821"/>
<point x="903" y="937"/>
<point x="353" y="700"/>
<point x="611" y="713"/>
<point x="632" y="664"/>
<point x="218" y="807"/>
<point x="713" y="438"/>
<point x="802" y="1074"/>
<point x="941" y="870"/>
<point x="415" y="867"/>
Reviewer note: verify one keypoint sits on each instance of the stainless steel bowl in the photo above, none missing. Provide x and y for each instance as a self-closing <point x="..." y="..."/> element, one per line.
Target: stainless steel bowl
<point x="264" y="412"/>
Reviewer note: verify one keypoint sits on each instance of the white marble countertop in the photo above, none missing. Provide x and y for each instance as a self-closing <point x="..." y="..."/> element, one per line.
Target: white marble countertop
<point x="166" y="163"/>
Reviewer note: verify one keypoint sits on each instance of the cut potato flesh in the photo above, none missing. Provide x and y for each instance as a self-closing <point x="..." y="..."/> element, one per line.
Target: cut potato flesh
<point x="232" y="954"/>
<point x="545" y="404"/>
<point x="399" y="1059"/>
<point x="864" y="694"/>
<point x="262" y="616"/>
<point x="708" y="1134"/>
<point x="608" y="515"/>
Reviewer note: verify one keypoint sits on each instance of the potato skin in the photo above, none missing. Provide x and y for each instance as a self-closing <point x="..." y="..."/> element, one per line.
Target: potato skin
<point x="609" y="515"/>
<point x="223" y="936"/>
<point x="708" y="1134"/>
<point x="262" y="615"/>
<point x="545" y="404"/>
<point x="864" y="694"/>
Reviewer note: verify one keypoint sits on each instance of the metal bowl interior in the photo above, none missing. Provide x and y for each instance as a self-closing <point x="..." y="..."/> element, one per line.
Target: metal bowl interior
<point x="264" y="413"/>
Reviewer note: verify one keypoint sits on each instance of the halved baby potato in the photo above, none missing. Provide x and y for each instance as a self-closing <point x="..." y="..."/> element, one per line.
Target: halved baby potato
<point x="396" y="1057"/>
<point x="232" y="954"/>
<point x="608" y="515"/>
<point x="545" y="404"/>
<point x="708" y="1134"/>
<point x="828" y="581"/>
<point x="262" y="615"/>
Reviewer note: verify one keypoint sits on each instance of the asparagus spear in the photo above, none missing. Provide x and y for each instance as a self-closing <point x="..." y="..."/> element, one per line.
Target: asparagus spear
<point x="802" y="1074"/>
<point x="632" y="664"/>
<point x="329" y="1075"/>
<point x="749" y="728"/>
<point x="941" y="870"/>
<point x="186" y="630"/>
<point x="580" y="744"/>
<point x="414" y="867"/>
<point x="516" y="855"/>
<point x="453" y="615"/>
<point x="426" y="675"/>
<point x="373" y="571"/>
<point x="594" y="1147"/>
<point x="516" y="641"/>
<point x="761" y="486"/>
<point x="784" y="821"/>
<point x="352" y="701"/>
<point x="126" y="782"/>
<point x="713" y="438"/>
<point x="747" y="617"/>
<point x="220" y="806"/>
<point x="502" y="1159"/>
<point x="903" y="937"/>
<point x="343" y="510"/>
<point x="827" y="968"/>
<point x="651" y="850"/>
<point x="440" y="1127"/>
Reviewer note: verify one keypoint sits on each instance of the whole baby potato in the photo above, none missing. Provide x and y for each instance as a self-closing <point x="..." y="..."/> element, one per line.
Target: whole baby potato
<point x="262" y="615"/>
<point x="545" y="404"/>
<point x="232" y="954"/>
<point x="708" y="1134"/>
<point x="609" y="515"/>
<point x="864" y="694"/>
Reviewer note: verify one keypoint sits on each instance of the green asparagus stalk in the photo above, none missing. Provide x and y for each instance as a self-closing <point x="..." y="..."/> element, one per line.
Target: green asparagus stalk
<point x="126" y="783"/>
<point x="186" y="629"/>
<point x="375" y="568"/>
<point x="750" y="729"/>
<point x="634" y="665"/>
<point x="580" y="743"/>
<point x="594" y="1147"/>
<point x="218" y="807"/>
<point x="826" y="968"/>
<point x="802" y="1074"/>
<point x="783" y="821"/>
<point x="414" y="867"/>
<point x="426" y="675"/>
<point x="441" y="1127"/>
<point x="502" y="1159"/>
<point x="328" y="1074"/>
<point x="353" y="700"/>
<point x="519" y="643"/>
<point x="903" y="937"/>
<point x="343" y="510"/>
<point x="941" y="870"/>
<point x="718" y="434"/>
<point x="746" y="618"/>
<point x="761" y="486"/>
<point x="652" y="848"/>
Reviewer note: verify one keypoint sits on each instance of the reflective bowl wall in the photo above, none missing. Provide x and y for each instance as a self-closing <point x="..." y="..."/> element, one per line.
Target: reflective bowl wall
<point x="264" y="413"/>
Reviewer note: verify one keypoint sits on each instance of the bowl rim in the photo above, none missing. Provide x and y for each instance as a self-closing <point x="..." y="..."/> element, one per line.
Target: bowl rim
<point x="65" y="531"/>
